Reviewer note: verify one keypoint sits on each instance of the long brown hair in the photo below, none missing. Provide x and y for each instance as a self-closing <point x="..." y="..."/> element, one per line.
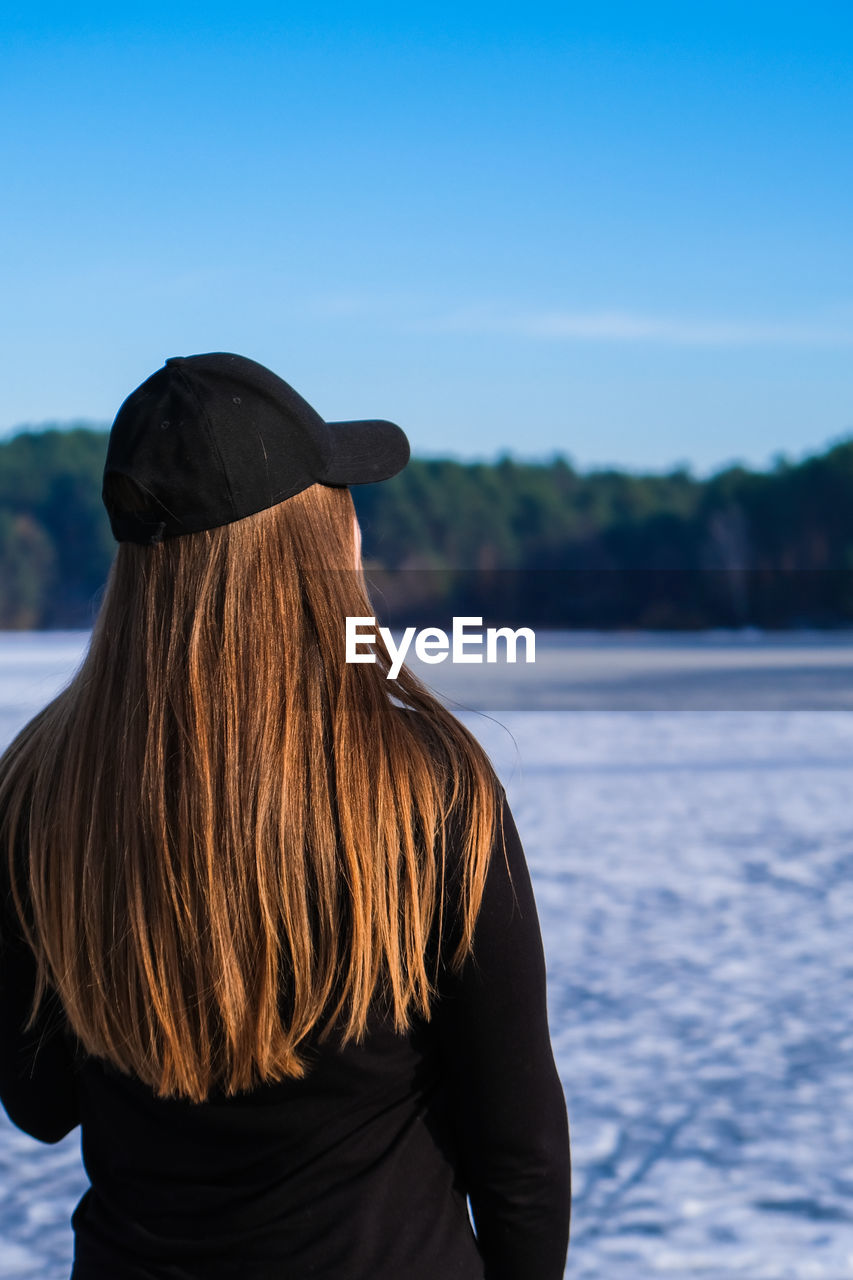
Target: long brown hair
<point x="221" y="836"/>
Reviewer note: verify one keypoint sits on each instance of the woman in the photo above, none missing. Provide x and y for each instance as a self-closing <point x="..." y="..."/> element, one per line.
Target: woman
<point x="269" y="936"/>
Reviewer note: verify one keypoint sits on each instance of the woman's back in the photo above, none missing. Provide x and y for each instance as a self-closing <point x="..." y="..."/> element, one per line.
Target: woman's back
<point x="361" y="1168"/>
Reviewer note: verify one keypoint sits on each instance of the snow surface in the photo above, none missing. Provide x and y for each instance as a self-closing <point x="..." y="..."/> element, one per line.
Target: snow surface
<point x="694" y="875"/>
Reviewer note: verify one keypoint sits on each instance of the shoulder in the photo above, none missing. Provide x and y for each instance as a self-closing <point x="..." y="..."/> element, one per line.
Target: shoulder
<point x="448" y="747"/>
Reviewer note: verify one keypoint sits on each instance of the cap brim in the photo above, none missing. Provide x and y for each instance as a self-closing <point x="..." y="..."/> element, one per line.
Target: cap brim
<point x="365" y="452"/>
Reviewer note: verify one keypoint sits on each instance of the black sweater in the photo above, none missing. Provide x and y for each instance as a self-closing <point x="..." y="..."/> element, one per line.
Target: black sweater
<point x="359" y="1171"/>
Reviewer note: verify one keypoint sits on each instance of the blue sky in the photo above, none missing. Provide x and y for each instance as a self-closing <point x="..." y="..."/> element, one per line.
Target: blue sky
<point x="617" y="231"/>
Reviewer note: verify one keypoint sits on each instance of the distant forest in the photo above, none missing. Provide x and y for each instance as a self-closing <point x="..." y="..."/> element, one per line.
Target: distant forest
<point x="514" y="542"/>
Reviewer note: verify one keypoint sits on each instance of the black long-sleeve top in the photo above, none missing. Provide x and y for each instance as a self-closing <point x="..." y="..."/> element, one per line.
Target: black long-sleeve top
<point x="361" y="1170"/>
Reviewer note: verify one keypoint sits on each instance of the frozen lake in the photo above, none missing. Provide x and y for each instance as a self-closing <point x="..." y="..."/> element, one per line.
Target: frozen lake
<point x="688" y="821"/>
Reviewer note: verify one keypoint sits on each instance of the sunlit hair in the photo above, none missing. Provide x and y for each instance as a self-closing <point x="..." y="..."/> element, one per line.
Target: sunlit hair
<point x="222" y="837"/>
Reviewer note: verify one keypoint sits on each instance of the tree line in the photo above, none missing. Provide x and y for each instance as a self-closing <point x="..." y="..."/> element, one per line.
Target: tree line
<point x="511" y="541"/>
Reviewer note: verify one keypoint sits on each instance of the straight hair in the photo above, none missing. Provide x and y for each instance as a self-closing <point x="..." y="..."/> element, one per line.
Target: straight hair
<point x="221" y="837"/>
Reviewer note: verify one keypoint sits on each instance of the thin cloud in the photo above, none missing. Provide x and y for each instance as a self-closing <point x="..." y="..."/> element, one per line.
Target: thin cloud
<point x="564" y="325"/>
<point x="627" y="326"/>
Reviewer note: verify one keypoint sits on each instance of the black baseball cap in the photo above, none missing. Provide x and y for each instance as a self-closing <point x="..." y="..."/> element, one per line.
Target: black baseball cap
<point x="214" y="438"/>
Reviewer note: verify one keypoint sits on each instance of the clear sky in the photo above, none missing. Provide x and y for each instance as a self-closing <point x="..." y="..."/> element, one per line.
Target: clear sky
<point x="620" y="231"/>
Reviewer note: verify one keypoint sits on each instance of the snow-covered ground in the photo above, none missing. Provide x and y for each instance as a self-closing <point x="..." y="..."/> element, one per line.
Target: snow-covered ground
<point x="694" y="874"/>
